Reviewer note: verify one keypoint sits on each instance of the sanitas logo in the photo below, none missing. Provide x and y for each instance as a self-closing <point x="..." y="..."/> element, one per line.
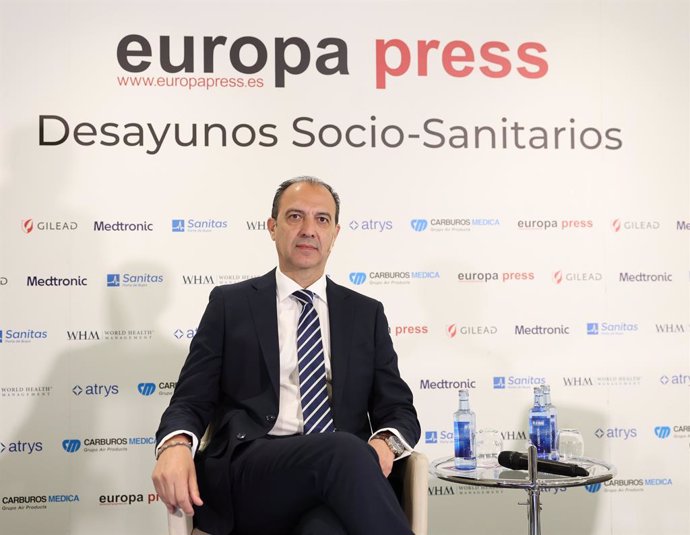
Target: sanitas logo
<point x="619" y="224"/>
<point x="29" y="226"/>
<point x="501" y="382"/>
<point x="21" y="446"/>
<point x="491" y="276"/>
<point x="129" y="280"/>
<point x="553" y="224"/>
<point x="15" y="336"/>
<point x="431" y="437"/>
<point x="122" y="226"/>
<point x="605" y="328"/>
<point x="371" y="225"/>
<point x="565" y="276"/>
<point x="198" y="225"/>
<point x="436" y="437"/>
<point x="32" y="280"/>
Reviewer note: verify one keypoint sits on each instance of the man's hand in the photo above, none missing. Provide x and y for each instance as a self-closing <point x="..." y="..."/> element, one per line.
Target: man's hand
<point x="386" y="456"/>
<point x="174" y="477"/>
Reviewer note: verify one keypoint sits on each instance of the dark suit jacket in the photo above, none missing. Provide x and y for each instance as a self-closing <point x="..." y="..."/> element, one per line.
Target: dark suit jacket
<point x="231" y="379"/>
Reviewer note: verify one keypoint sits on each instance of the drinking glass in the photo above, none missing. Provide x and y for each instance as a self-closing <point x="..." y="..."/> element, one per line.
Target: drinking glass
<point x="489" y="444"/>
<point x="569" y="444"/>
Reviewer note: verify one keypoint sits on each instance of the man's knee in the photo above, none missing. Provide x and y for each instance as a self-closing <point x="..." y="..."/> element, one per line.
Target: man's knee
<point x="348" y="450"/>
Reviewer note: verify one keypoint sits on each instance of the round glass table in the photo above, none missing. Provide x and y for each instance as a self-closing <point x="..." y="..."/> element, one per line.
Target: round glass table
<point x="530" y="480"/>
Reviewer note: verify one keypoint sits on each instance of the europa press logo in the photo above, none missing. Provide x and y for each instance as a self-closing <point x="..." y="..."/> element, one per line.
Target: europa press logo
<point x="419" y="225"/>
<point x="71" y="445"/>
<point x="146" y="389"/>
<point x="358" y="277"/>
<point x="662" y="431"/>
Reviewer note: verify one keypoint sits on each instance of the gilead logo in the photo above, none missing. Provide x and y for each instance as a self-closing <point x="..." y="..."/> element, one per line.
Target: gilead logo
<point x="246" y="54"/>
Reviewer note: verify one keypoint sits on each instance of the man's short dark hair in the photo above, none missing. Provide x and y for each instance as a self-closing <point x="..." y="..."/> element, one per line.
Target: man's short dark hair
<point x="309" y="180"/>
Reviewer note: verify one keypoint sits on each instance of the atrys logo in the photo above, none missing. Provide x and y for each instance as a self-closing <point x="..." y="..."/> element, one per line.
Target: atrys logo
<point x="184" y="333"/>
<point x="71" y="445"/>
<point x="146" y="389"/>
<point x="130" y="280"/>
<point x="96" y="389"/>
<point x="21" y="446"/>
<point x="561" y="276"/>
<point x="662" y="431"/>
<point x="621" y="433"/>
<point x="675" y="379"/>
<point x="619" y="224"/>
<point x="454" y="329"/>
<point x="199" y="225"/>
<point x="371" y="225"/>
<point x="29" y="225"/>
<point x="606" y="328"/>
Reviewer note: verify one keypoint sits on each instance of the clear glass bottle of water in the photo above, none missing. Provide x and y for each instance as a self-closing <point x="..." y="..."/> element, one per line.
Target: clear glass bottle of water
<point x="553" y="416"/>
<point x="540" y="425"/>
<point x="464" y="430"/>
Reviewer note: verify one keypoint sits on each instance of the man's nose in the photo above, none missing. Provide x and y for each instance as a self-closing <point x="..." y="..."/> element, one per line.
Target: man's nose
<point x="308" y="226"/>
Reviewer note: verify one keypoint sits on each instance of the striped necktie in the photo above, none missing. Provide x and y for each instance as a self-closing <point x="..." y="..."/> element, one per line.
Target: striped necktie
<point x="316" y="409"/>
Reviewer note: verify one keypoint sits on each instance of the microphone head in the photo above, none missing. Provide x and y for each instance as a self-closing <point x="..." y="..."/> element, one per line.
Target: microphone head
<point x="509" y="459"/>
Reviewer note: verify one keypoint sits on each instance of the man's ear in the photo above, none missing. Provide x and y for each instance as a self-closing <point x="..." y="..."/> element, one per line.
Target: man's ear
<point x="271" y="226"/>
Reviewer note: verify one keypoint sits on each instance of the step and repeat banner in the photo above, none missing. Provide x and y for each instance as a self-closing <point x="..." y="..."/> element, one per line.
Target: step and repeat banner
<point x="515" y="189"/>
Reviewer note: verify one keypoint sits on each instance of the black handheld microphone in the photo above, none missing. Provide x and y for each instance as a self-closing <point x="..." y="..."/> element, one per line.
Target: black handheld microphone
<point x="518" y="461"/>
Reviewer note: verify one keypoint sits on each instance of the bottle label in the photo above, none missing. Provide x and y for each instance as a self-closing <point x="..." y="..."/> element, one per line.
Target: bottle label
<point x="541" y="433"/>
<point x="464" y="440"/>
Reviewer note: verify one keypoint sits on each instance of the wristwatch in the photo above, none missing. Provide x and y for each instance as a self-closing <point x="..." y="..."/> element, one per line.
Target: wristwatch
<point x="393" y="442"/>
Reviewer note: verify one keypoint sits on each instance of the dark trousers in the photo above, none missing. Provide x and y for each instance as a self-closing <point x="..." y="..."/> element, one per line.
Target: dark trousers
<point x="319" y="484"/>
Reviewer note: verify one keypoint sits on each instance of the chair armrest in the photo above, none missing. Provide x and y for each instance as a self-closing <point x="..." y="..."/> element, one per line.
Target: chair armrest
<point x="415" y="496"/>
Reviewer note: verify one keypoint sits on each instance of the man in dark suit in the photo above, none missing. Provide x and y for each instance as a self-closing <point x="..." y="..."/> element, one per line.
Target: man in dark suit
<point x="275" y="464"/>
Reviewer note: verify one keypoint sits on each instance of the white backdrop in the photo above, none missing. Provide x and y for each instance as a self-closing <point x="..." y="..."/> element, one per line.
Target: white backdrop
<point x="520" y="202"/>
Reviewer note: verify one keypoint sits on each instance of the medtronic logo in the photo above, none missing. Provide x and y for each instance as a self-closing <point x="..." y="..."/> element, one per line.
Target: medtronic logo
<point x="121" y="226"/>
<point x="178" y="225"/>
<point x="71" y="445"/>
<point x="358" y="277"/>
<point x="431" y="437"/>
<point x="418" y="225"/>
<point x="662" y="431"/>
<point x="499" y="383"/>
<point x="594" y="487"/>
<point x="146" y="389"/>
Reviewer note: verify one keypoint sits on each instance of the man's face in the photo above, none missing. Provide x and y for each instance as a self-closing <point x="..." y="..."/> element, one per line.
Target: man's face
<point x="304" y="231"/>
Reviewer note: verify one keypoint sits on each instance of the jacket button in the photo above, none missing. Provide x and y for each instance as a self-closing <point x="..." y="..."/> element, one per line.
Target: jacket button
<point x="270" y="418"/>
<point x="241" y="436"/>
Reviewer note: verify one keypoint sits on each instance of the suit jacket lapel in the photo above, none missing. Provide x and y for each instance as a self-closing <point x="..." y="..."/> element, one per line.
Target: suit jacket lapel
<point x="262" y="303"/>
<point x="340" y="312"/>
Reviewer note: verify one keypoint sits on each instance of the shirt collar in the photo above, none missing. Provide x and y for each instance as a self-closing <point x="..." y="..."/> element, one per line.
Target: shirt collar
<point x="285" y="287"/>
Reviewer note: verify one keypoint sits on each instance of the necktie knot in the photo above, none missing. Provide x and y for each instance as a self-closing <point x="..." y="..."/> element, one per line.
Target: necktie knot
<point x="304" y="296"/>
